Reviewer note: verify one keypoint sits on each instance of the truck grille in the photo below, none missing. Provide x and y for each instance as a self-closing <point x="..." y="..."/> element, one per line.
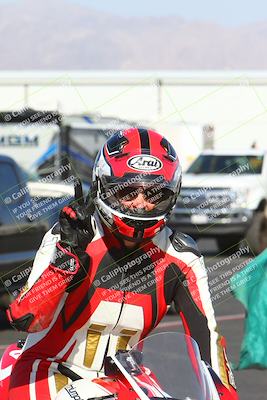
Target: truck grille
<point x="205" y="200"/>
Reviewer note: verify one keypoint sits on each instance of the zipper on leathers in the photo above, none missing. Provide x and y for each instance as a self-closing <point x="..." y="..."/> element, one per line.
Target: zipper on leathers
<point x="122" y="304"/>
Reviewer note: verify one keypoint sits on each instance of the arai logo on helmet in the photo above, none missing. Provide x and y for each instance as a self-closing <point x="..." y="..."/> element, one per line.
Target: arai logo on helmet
<point x="144" y="163"/>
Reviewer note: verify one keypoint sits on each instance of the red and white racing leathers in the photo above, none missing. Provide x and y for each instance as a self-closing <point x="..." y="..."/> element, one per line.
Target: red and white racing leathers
<point x="122" y="298"/>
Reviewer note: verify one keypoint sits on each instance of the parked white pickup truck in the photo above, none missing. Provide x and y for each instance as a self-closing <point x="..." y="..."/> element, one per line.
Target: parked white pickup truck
<point x="224" y="196"/>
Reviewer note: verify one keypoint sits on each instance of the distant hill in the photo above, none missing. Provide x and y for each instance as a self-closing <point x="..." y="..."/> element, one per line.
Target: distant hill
<point x="57" y="34"/>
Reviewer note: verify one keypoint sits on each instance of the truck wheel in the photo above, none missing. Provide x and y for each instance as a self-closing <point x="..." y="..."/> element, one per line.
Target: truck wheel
<point x="228" y="243"/>
<point x="257" y="233"/>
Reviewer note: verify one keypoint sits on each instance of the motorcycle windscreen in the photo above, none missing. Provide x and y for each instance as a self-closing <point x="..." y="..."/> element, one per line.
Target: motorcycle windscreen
<point x="168" y="365"/>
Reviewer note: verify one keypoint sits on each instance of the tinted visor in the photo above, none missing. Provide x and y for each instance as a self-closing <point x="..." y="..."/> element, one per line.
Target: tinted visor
<point x="151" y="198"/>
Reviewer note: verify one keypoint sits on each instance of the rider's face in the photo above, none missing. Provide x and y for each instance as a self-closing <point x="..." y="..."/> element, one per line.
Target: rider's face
<point x="138" y="201"/>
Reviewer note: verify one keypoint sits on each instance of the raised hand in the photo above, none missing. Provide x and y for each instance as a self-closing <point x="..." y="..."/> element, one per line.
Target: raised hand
<point x="75" y="219"/>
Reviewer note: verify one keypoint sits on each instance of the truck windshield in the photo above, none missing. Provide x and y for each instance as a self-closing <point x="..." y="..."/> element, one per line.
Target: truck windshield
<point x="226" y="164"/>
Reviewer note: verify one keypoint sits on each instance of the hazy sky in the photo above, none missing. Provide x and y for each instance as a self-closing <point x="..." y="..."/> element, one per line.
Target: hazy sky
<point x="227" y="12"/>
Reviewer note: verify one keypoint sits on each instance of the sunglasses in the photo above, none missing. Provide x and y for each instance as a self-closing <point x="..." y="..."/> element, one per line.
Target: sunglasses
<point x="153" y="194"/>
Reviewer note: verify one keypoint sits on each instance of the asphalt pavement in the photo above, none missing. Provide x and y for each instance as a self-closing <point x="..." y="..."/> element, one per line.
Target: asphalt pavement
<point x="252" y="384"/>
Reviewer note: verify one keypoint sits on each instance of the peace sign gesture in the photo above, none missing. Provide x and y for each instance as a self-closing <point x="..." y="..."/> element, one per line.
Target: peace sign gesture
<point x="75" y="219"/>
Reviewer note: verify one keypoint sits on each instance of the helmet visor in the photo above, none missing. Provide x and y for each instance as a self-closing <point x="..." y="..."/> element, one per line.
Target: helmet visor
<point x="142" y="199"/>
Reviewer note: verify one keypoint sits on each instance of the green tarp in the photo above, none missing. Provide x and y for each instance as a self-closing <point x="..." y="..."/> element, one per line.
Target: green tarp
<point x="249" y="286"/>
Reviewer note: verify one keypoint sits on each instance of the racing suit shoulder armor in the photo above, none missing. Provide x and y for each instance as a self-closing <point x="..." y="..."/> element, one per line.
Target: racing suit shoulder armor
<point x="22" y="323"/>
<point x="184" y="243"/>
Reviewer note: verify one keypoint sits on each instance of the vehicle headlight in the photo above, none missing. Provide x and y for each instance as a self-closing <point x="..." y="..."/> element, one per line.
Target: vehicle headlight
<point x="240" y="198"/>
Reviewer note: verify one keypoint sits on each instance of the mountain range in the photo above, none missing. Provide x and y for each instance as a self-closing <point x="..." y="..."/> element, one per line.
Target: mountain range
<point x="58" y="34"/>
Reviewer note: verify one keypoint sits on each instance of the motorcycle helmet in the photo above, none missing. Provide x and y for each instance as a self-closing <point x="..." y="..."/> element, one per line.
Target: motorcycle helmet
<point x="136" y="163"/>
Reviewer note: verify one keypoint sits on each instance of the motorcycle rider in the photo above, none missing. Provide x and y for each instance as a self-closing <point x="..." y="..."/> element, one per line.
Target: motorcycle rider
<point x="104" y="276"/>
